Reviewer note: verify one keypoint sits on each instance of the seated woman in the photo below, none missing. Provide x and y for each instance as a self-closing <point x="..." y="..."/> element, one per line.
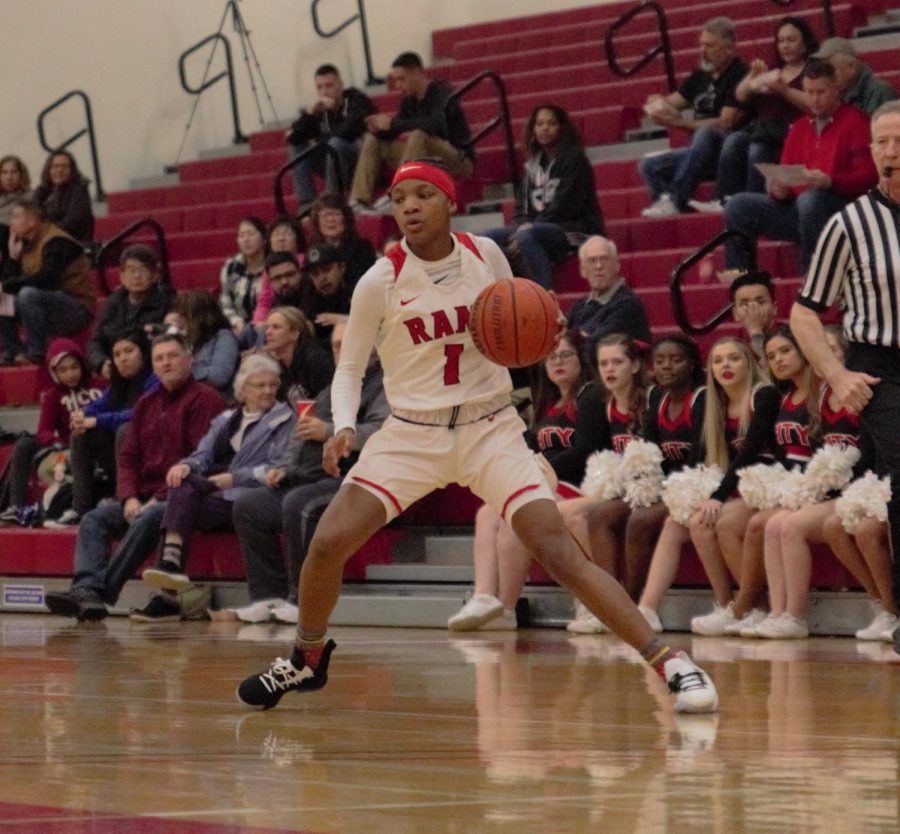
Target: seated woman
<point x="284" y="235"/>
<point x="561" y="396"/>
<point x="15" y="182"/>
<point x="306" y="367"/>
<point x="775" y="97"/>
<point x="739" y="536"/>
<point x="213" y="345"/>
<point x="622" y="539"/>
<point x="241" y="278"/>
<point x="334" y="224"/>
<point x="63" y="191"/>
<point x="98" y="428"/>
<point x="241" y="446"/>
<point x="738" y="421"/>
<point x="560" y="206"/>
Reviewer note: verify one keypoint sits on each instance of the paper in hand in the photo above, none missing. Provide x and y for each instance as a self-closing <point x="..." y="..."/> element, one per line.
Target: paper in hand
<point x="786" y="175"/>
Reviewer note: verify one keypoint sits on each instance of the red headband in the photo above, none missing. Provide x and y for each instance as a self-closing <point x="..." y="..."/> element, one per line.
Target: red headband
<point x="429" y="173"/>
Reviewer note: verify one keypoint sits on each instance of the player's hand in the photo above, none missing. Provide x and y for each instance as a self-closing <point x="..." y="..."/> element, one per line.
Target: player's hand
<point x="177" y="474"/>
<point x="853" y="389"/>
<point x="336" y="448"/>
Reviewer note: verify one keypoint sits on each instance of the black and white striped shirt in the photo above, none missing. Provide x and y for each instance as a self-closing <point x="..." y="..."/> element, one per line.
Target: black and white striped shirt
<point x="858" y="257"/>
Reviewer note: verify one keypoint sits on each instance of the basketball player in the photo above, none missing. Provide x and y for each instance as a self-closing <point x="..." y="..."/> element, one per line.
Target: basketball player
<point x="451" y="422"/>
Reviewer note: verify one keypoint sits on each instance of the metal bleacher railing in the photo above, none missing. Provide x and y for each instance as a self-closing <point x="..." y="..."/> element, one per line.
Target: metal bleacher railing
<point x="87" y="130"/>
<point x="278" y="185"/>
<point x="360" y="15"/>
<point x="663" y="47"/>
<point x="113" y="248"/>
<point x="676" y="283"/>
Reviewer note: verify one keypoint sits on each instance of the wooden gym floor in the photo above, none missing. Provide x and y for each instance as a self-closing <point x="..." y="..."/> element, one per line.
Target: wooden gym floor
<point x="119" y="728"/>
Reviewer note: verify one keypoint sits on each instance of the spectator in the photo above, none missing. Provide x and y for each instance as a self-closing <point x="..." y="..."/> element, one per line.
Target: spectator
<point x="753" y="307"/>
<point x="71" y="391"/>
<point x="166" y="425"/>
<point x="326" y="293"/>
<point x="833" y="145"/>
<point x="306" y="368"/>
<point x="286" y="280"/>
<point x="98" y="429"/>
<point x="241" y="279"/>
<point x="334" y="223"/>
<point x="858" y="84"/>
<point x="63" y="192"/>
<point x="777" y="99"/>
<point x="15" y="182"/>
<point x="138" y="301"/>
<point x="285" y="235"/>
<point x="241" y="447"/>
<point x="213" y="345"/>
<point x="423" y="127"/>
<point x="48" y="275"/>
<point x="672" y="176"/>
<point x="297" y="492"/>
<point x="611" y="306"/>
<point x="559" y="199"/>
<point x="337" y="118"/>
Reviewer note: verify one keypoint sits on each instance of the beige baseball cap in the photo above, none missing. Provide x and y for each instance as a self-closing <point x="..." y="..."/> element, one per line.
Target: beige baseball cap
<point x="833" y="46"/>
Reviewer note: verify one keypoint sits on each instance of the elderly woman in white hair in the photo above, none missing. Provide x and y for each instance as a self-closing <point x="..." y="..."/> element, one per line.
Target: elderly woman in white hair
<point x="242" y="444"/>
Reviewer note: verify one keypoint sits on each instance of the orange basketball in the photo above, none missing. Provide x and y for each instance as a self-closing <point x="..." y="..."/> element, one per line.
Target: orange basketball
<point x="514" y="322"/>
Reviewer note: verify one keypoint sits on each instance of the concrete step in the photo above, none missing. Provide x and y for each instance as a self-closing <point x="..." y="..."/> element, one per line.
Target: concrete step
<point x="24" y="418"/>
<point x="477" y="224"/>
<point x="225" y="151"/>
<point x="421" y="573"/>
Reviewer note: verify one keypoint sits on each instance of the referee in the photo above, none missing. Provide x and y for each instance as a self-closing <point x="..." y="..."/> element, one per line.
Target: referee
<point x="858" y="258"/>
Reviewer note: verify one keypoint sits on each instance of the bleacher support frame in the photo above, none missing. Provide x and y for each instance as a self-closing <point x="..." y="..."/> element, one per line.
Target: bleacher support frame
<point x="664" y="46"/>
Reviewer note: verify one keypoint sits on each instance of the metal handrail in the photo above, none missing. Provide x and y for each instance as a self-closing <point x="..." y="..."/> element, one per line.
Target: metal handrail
<point x="677" y="291"/>
<point x="371" y="78"/>
<point x="503" y="119"/>
<point x="88" y="129"/>
<point x="227" y="72"/>
<point x="278" y="187"/>
<point x="110" y="248"/>
<point x="826" y="8"/>
<point x="664" y="46"/>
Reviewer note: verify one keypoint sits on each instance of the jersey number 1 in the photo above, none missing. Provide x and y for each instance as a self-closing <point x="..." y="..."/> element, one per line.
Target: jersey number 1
<point x="451" y="363"/>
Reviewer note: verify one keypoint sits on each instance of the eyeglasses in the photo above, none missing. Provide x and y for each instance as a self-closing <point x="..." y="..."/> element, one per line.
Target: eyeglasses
<point x="596" y="260"/>
<point x="562" y="356"/>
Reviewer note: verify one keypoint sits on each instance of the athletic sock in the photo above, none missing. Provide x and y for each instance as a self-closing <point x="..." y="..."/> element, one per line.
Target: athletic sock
<point x="172" y="553"/>
<point x="656" y="653"/>
<point x="307" y="649"/>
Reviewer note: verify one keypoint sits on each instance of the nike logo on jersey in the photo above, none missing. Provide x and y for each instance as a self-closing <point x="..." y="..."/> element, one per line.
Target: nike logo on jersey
<point x="405" y="301"/>
<point x="442" y="278"/>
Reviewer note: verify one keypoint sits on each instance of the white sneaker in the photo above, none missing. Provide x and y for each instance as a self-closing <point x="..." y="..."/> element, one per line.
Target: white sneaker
<point x="714" y="623"/>
<point x="479" y="610"/>
<point x="505" y="622"/>
<point x="259" y="611"/>
<point x="286" y="613"/>
<point x="751" y="620"/>
<point x="69" y="518"/>
<point x="783" y="627"/>
<point x="887" y="636"/>
<point x="652" y="618"/>
<point x="694" y="691"/>
<point x="751" y="630"/>
<point x="663" y="207"/>
<point x="883" y="621"/>
<point x="585" y="622"/>
<point x="707" y="206"/>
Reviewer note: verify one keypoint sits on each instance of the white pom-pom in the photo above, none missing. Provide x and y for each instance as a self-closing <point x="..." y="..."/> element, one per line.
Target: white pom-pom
<point x="642" y="473"/>
<point x="797" y="491"/>
<point x="684" y="491"/>
<point x="831" y="468"/>
<point x="602" y="476"/>
<point x="866" y="497"/>
<point x="760" y="485"/>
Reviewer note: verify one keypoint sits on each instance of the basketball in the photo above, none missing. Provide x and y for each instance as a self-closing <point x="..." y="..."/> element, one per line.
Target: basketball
<point x="514" y="322"/>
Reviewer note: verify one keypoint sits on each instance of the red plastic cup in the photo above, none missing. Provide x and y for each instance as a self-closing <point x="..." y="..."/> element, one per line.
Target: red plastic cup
<point x="304" y="407"/>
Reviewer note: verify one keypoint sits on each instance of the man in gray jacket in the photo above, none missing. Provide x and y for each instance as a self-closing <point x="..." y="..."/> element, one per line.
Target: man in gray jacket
<point x="299" y="490"/>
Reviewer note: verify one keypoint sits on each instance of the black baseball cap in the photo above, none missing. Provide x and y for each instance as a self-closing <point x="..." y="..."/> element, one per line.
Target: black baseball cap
<point x="322" y="255"/>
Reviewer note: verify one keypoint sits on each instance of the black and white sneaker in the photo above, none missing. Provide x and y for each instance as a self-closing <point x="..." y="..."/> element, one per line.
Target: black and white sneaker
<point x="264" y="691"/>
<point x="692" y="687"/>
<point x="160" y="609"/>
<point x="168" y="576"/>
<point x="69" y="518"/>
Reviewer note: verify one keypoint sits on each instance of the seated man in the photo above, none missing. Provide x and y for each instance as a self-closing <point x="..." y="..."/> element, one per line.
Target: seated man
<point x="753" y="307"/>
<point x="140" y="300"/>
<point x="611" y="306"/>
<point x="336" y="118"/>
<point x="833" y="146"/>
<point x="859" y="85"/>
<point x="326" y="295"/>
<point x="299" y="491"/>
<point x="286" y="280"/>
<point x="167" y="424"/>
<point x="45" y="285"/>
<point x="422" y="128"/>
<point x="672" y="176"/>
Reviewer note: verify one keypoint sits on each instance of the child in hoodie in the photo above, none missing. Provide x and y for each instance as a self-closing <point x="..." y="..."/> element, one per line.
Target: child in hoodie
<point x="73" y="389"/>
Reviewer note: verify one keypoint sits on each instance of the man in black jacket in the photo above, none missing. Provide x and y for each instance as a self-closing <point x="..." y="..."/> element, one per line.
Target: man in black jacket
<point x="423" y="127"/>
<point x="139" y="301"/>
<point x="337" y="119"/>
